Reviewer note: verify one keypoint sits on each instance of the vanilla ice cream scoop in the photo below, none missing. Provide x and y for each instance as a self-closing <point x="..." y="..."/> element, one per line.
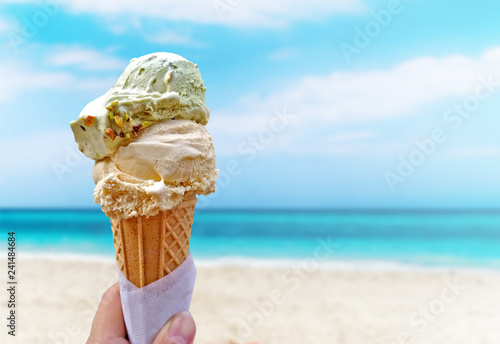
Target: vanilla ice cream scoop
<point x="153" y="173"/>
<point x="152" y="88"/>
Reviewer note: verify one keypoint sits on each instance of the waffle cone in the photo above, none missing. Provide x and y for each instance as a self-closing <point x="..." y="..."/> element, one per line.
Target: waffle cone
<point x="149" y="248"/>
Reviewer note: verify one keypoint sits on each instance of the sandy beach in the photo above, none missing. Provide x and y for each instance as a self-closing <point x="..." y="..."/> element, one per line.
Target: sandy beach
<point x="57" y="299"/>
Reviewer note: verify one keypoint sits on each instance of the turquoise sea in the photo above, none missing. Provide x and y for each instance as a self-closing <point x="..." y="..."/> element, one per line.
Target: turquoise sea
<point x="449" y="238"/>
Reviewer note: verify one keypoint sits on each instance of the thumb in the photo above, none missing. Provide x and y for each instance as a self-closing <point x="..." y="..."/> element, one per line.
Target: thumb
<point x="180" y="329"/>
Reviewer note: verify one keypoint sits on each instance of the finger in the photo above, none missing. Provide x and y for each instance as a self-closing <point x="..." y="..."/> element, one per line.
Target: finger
<point x="108" y="325"/>
<point x="180" y="329"/>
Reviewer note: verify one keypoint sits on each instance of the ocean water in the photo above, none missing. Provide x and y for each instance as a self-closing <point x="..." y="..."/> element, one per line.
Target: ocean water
<point x="464" y="238"/>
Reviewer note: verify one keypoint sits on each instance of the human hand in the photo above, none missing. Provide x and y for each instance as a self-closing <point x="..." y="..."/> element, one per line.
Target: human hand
<point x="109" y="327"/>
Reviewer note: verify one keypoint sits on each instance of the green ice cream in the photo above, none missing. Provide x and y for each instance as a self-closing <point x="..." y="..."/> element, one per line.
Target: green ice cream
<point x="152" y="88"/>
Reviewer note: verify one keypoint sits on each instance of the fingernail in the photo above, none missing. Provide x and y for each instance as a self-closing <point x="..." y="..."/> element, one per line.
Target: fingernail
<point x="183" y="329"/>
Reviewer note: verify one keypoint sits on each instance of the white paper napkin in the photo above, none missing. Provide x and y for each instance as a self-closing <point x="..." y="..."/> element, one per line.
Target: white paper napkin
<point x="147" y="309"/>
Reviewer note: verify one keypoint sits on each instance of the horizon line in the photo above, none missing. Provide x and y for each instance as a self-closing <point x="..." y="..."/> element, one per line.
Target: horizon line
<point x="282" y="209"/>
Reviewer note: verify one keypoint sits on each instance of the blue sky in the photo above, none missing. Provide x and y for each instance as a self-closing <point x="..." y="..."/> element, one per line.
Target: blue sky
<point x="296" y="122"/>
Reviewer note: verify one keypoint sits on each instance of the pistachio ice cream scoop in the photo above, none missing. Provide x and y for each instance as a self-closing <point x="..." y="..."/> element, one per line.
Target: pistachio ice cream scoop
<point x="152" y="88"/>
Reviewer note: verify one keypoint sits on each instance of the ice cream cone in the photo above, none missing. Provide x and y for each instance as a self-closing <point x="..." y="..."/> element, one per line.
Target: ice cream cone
<point x="149" y="248"/>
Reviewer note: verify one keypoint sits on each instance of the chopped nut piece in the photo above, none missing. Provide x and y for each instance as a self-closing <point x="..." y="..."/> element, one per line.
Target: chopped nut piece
<point x="111" y="133"/>
<point x="137" y="128"/>
<point x="127" y="136"/>
<point x="89" y="121"/>
<point x="122" y="135"/>
<point x="112" y="106"/>
<point x="119" y="121"/>
<point x="145" y="124"/>
<point x="111" y="116"/>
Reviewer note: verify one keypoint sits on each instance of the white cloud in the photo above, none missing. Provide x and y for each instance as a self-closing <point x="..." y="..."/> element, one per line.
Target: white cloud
<point x="58" y="68"/>
<point x="119" y="26"/>
<point x="348" y="99"/>
<point x="252" y="132"/>
<point x="224" y="12"/>
<point x="353" y="136"/>
<point x="84" y="58"/>
<point x="171" y="37"/>
<point x="18" y="79"/>
<point x="380" y="94"/>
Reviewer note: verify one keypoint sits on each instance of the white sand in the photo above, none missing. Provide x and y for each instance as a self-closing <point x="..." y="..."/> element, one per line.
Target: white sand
<point x="58" y="298"/>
